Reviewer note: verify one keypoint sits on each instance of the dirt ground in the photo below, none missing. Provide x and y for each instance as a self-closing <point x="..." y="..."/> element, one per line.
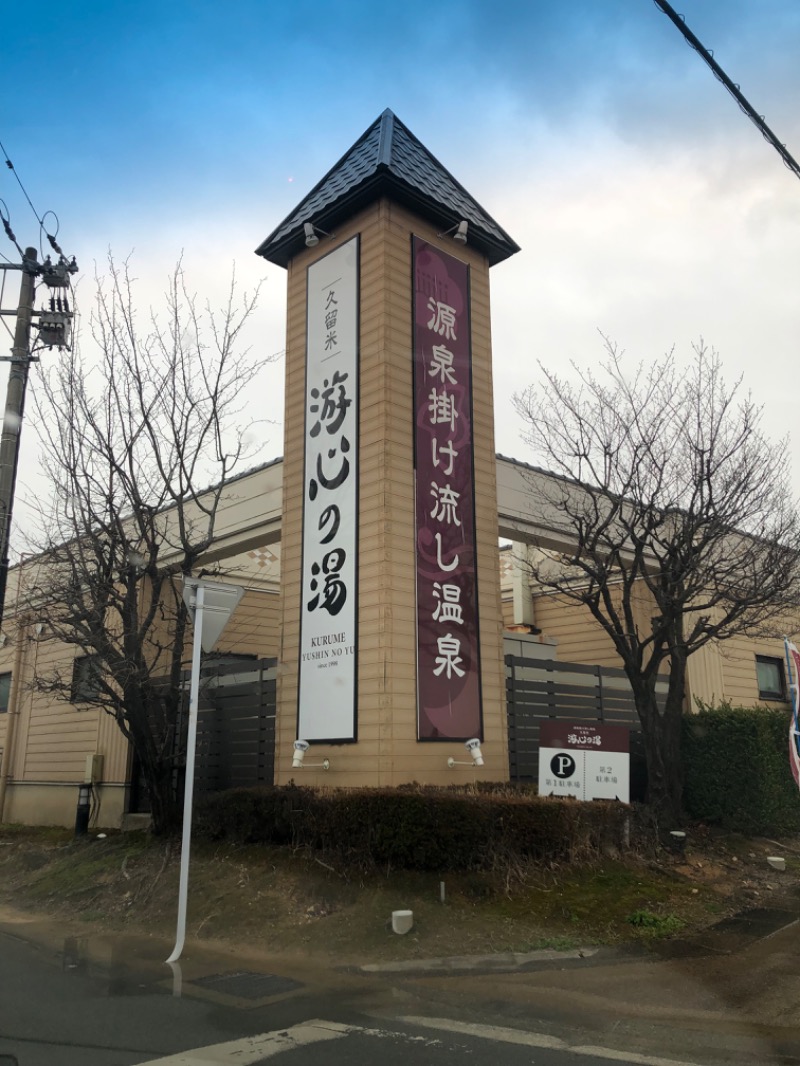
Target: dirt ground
<point x="289" y="901"/>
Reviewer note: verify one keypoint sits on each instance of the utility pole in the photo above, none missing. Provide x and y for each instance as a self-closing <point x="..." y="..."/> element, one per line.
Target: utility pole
<point x="15" y="408"/>
<point x="54" y="330"/>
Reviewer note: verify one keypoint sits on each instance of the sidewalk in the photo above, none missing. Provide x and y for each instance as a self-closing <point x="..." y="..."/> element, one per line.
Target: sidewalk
<point x="727" y="996"/>
<point x="724" y="997"/>
<point x="301" y="934"/>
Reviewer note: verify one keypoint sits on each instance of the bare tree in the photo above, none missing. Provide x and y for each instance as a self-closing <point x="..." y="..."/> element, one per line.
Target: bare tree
<point x="668" y="489"/>
<point x="132" y="436"/>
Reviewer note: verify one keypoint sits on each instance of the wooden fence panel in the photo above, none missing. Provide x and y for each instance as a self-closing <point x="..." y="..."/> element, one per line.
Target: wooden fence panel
<point x="539" y="689"/>
<point x="235" y="730"/>
<point x="236" y="727"/>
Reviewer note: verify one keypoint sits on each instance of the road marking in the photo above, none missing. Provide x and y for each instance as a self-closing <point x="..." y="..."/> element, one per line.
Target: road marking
<point x="541" y="1040"/>
<point x="253" y="1049"/>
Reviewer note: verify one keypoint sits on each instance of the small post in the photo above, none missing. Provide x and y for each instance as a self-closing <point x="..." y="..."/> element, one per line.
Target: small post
<point x="83" y="810"/>
<point x="677" y="840"/>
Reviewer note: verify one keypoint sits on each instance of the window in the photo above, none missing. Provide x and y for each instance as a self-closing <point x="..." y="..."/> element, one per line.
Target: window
<point x="5" y="691"/>
<point x="85" y="678"/>
<point x="771" y="682"/>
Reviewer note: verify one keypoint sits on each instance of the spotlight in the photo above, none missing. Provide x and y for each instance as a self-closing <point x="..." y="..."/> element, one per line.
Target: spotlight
<point x="474" y="748"/>
<point x="457" y="232"/>
<point x="313" y="233"/>
<point x="460" y="234"/>
<point x="300" y="749"/>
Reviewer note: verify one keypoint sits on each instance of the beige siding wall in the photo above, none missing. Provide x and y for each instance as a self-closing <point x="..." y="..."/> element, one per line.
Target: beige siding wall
<point x="387" y="751"/>
<point x="7" y="657"/>
<point x="254" y="627"/>
<point x="33" y="803"/>
<point x="53" y="738"/>
<point x="725" y="671"/>
<point x="578" y="637"/>
<point x="737" y="659"/>
<point x="508" y="611"/>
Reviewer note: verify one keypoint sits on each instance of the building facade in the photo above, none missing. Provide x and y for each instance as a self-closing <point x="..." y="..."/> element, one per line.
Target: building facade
<point x="369" y="554"/>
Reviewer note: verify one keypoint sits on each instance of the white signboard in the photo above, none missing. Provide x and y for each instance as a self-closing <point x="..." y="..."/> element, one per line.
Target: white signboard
<point x="220" y="600"/>
<point x="584" y="760"/>
<point x="329" y="598"/>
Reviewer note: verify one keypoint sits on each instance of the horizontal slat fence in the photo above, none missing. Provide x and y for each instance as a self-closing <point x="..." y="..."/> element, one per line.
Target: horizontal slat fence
<point x="236" y="727"/>
<point x="235" y="730"/>
<point x="538" y="689"/>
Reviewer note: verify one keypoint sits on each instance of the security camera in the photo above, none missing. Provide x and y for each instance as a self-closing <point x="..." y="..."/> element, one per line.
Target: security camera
<point x="300" y="749"/>
<point x="474" y="748"/>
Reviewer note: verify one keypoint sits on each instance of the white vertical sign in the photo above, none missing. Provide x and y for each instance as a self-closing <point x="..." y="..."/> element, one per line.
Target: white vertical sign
<point x="329" y="597"/>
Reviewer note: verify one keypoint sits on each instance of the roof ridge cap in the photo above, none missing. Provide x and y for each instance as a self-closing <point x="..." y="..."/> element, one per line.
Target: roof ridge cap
<point x="387" y="121"/>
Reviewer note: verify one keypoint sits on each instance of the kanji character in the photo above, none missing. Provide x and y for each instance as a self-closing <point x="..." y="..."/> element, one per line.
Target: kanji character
<point x="448" y="658"/>
<point x="338" y="478"/>
<point x="330" y="406"/>
<point x="443" y="319"/>
<point x="442" y="408"/>
<point x="442" y="365"/>
<point x="334" y="591"/>
<point x="446" y="504"/>
<point x="448" y="606"/>
<point x="448" y="450"/>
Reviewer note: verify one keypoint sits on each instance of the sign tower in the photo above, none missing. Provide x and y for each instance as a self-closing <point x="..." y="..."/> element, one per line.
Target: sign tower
<point x="391" y="648"/>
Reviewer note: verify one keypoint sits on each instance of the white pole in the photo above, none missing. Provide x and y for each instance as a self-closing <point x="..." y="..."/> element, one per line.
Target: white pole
<point x="188" y="787"/>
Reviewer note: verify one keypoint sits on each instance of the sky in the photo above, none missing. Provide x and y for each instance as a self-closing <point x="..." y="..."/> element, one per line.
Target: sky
<point x="647" y="207"/>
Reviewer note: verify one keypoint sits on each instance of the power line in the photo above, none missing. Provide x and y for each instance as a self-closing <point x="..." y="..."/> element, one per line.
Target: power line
<point x="13" y="170"/>
<point x="5" y="218"/>
<point x="40" y="219"/>
<point x="58" y="227"/>
<point x="8" y="329"/>
<point x="708" y="57"/>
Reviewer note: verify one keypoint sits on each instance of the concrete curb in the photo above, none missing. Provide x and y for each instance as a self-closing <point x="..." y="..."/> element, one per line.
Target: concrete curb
<point x="505" y="962"/>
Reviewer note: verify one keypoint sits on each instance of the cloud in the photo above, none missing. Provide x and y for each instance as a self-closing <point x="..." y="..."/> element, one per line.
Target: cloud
<point x="651" y="252"/>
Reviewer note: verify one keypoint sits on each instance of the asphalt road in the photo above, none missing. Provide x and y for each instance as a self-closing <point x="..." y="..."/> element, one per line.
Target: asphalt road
<point x="114" y="1002"/>
<point x="58" y="1008"/>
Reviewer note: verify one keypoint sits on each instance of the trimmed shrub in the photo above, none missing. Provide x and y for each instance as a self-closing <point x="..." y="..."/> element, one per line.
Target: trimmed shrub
<point x="250" y="815"/>
<point x="736" y="769"/>
<point x="416" y="827"/>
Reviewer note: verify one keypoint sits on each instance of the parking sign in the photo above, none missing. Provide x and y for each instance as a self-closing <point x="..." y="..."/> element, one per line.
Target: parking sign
<point x="585" y="760"/>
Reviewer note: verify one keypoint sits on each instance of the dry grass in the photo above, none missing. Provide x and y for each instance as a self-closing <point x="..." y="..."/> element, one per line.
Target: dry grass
<point x="282" y="900"/>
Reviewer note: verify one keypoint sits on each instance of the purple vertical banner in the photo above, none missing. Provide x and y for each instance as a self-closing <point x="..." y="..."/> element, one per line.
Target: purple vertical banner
<point x="448" y="660"/>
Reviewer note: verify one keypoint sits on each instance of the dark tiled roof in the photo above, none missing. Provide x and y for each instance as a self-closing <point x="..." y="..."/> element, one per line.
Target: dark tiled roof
<point x="388" y="160"/>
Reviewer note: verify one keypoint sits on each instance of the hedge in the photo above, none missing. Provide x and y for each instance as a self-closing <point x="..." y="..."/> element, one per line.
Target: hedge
<point x="414" y="828"/>
<point x="736" y="769"/>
